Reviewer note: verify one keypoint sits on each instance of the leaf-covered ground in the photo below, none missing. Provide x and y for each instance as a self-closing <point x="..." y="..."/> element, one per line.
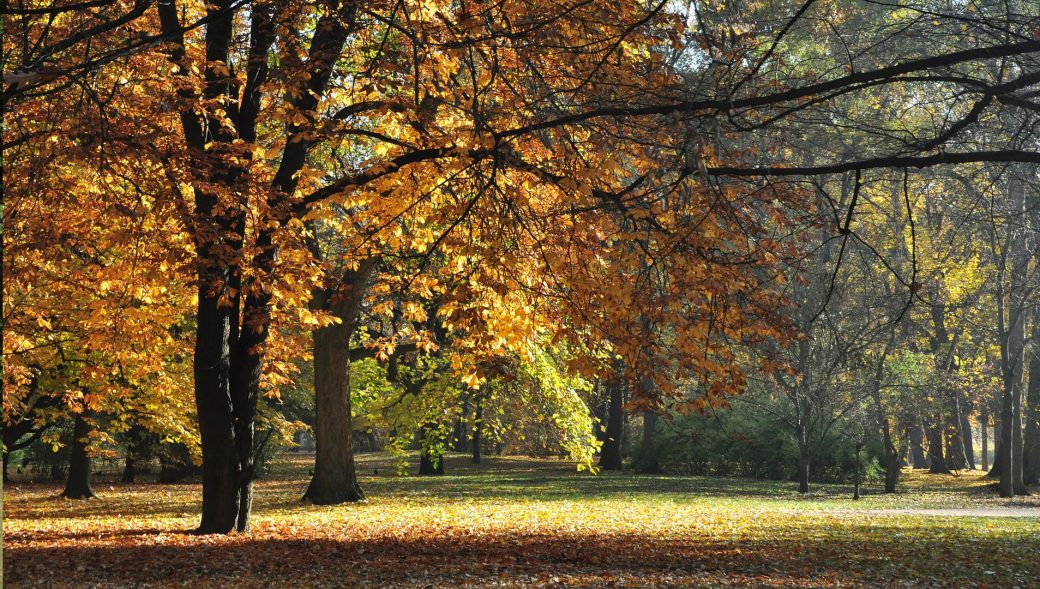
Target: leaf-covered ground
<point x="520" y="523"/>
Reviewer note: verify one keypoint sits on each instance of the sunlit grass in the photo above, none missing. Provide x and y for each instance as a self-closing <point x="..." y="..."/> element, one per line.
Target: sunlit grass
<point x="514" y="522"/>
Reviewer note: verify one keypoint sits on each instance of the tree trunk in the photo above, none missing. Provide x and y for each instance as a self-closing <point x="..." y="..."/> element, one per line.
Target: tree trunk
<point x="77" y="486"/>
<point x="804" y="461"/>
<point x="459" y="434"/>
<point x="429" y="463"/>
<point x="650" y="463"/>
<point x="335" y="476"/>
<point x="893" y="464"/>
<point x="966" y="437"/>
<point x="610" y="453"/>
<point x="955" y="442"/>
<point x="1031" y="437"/>
<point x="917" y="455"/>
<point x="984" y="431"/>
<point x="478" y="427"/>
<point x="129" y="468"/>
<point x="1005" y="458"/>
<point x="858" y="477"/>
<point x="212" y="367"/>
<point x="937" y="462"/>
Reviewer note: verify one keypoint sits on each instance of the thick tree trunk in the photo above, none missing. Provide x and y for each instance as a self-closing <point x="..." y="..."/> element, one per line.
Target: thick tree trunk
<point x="129" y="468"/>
<point x="650" y="463"/>
<point x="212" y="366"/>
<point x="77" y="485"/>
<point x="610" y="453"/>
<point x="917" y="456"/>
<point x="335" y="476"/>
<point x="429" y="464"/>
<point x="937" y="462"/>
<point x="1005" y="452"/>
<point x="804" y="462"/>
<point x="1031" y="436"/>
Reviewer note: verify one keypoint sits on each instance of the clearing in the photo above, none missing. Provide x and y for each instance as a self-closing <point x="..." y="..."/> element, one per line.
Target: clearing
<point x="522" y="522"/>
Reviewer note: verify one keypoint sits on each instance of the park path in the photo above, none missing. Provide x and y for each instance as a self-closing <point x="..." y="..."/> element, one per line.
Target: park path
<point x="958" y="512"/>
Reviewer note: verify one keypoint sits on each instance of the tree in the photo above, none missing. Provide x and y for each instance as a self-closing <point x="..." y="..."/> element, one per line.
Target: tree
<point x="571" y="135"/>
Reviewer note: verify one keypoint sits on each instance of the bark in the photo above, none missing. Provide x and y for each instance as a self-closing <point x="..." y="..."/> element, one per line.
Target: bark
<point x="458" y="442"/>
<point x="937" y="462"/>
<point x="858" y="476"/>
<point x="129" y="468"/>
<point x="804" y="461"/>
<point x="917" y="455"/>
<point x="1031" y="436"/>
<point x="610" y="453"/>
<point x="893" y="463"/>
<point x="956" y="459"/>
<point x="984" y="432"/>
<point x="1005" y="451"/>
<point x="429" y="463"/>
<point x="335" y="476"/>
<point x="1011" y="312"/>
<point x="77" y="485"/>
<point x="478" y="428"/>
<point x="229" y="355"/>
<point x="967" y="438"/>
<point x="212" y="365"/>
<point x="650" y="463"/>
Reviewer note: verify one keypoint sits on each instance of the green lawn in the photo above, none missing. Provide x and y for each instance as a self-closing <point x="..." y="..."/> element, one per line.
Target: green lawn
<point x="521" y="522"/>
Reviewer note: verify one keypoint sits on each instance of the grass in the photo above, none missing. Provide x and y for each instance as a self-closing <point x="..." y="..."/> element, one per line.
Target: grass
<point x="521" y="522"/>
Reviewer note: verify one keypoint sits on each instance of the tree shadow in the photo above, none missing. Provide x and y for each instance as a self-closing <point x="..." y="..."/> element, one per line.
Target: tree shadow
<point x="872" y="555"/>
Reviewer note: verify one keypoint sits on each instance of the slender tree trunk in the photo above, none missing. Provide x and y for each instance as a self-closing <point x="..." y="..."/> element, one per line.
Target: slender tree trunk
<point x="459" y="435"/>
<point x="335" y="475"/>
<point x="893" y="464"/>
<point x="955" y="442"/>
<point x="7" y="455"/>
<point x="77" y="486"/>
<point x="857" y="479"/>
<point x="967" y="438"/>
<point x="892" y="460"/>
<point x="937" y="462"/>
<point x="1018" y="464"/>
<point x="478" y="427"/>
<point x="984" y="431"/>
<point x="610" y="454"/>
<point x="917" y="455"/>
